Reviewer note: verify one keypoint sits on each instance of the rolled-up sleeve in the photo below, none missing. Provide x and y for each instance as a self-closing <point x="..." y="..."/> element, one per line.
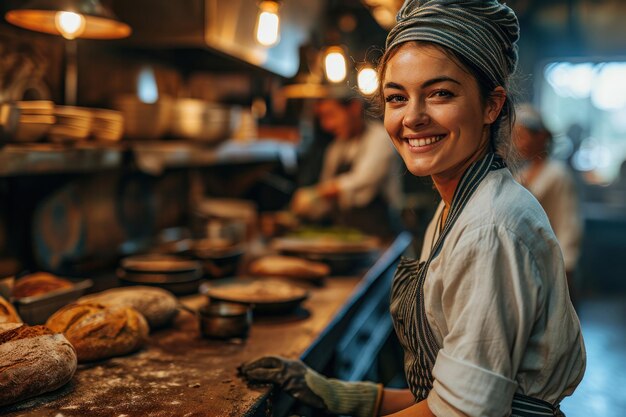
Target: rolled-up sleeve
<point x="484" y="393"/>
<point x="490" y="293"/>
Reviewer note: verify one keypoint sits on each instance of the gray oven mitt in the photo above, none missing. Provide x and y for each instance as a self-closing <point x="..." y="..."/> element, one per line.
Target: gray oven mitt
<point x="359" y="399"/>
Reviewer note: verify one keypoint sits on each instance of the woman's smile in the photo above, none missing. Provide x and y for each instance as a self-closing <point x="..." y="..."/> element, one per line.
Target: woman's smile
<point x="419" y="144"/>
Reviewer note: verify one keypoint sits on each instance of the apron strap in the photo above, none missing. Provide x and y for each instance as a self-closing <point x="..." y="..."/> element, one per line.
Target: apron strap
<point x="524" y="406"/>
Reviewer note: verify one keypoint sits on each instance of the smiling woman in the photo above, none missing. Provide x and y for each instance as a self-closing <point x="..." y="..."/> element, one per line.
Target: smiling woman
<point x="467" y="311"/>
<point x="484" y="316"/>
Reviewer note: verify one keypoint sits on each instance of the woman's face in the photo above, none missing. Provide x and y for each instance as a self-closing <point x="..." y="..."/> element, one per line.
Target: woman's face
<point x="433" y="112"/>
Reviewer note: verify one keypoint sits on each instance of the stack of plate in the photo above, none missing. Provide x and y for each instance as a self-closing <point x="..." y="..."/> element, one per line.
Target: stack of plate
<point x="72" y="124"/>
<point x="200" y="120"/>
<point x="144" y="120"/>
<point x="36" y="118"/>
<point x="107" y="125"/>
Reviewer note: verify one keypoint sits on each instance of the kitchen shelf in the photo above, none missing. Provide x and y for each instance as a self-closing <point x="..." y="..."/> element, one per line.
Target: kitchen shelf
<point x="151" y="157"/>
<point x="34" y="159"/>
<point x="156" y="156"/>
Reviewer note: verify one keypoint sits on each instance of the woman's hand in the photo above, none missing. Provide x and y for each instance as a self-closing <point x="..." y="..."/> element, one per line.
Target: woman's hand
<point x="288" y="374"/>
<point x="304" y="201"/>
<point x="361" y="399"/>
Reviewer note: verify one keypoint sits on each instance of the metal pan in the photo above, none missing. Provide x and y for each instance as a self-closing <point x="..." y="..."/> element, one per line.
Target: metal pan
<point x="159" y="264"/>
<point x="179" y="284"/>
<point x="37" y="309"/>
<point x="178" y="275"/>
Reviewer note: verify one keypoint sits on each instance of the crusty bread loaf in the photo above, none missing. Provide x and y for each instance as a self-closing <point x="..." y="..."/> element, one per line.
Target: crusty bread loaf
<point x="99" y="332"/>
<point x="38" y="283"/>
<point x="9" y="326"/>
<point x="8" y="313"/>
<point x="33" y="361"/>
<point x="157" y="305"/>
<point x="288" y="266"/>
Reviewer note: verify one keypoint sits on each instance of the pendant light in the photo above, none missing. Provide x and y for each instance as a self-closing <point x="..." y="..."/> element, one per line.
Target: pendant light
<point x="268" y="23"/>
<point x="335" y="65"/>
<point x="367" y="80"/>
<point x="71" y="19"/>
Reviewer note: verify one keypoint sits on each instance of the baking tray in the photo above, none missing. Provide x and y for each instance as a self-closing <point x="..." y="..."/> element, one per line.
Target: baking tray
<point x="36" y="309"/>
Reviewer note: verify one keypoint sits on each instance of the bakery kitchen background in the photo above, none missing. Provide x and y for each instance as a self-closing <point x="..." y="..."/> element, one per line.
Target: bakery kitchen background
<point x="191" y="129"/>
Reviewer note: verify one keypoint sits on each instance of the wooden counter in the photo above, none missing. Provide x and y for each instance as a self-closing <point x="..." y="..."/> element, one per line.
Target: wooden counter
<point x="181" y="374"/>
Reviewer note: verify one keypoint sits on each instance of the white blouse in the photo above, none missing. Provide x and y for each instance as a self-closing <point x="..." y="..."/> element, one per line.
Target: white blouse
<point x="374" y="170"/>
<point x="496" y="299"/>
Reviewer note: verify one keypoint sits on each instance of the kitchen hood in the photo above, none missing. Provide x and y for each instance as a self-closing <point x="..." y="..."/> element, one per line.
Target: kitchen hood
<point x="227" y="26"/>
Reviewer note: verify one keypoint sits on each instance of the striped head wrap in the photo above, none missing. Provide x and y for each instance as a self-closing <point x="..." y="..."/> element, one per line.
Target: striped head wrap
<point x="484" y="32"/>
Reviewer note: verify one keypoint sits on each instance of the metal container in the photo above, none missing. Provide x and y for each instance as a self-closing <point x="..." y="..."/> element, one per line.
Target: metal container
<point x="37" y="308"/>
<point x="199" y="120"/>
<point x="221" y="320"/>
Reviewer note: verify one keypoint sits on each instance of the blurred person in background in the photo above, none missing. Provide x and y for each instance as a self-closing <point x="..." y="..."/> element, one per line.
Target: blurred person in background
<point x="359" y="183"/>
<point x="551" y="182"/>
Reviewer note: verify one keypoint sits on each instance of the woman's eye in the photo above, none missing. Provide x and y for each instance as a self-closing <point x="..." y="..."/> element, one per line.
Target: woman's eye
<point x="442" y="94"/>
<point x="394" y="98"/>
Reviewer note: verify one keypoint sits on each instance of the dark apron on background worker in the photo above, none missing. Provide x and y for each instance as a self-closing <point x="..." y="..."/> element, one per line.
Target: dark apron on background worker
<point x="409" y="315"/>
<point x="375" y="218"/>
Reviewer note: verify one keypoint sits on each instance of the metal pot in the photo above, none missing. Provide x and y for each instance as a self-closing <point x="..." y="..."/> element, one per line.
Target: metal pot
<point x="223" y="320"/>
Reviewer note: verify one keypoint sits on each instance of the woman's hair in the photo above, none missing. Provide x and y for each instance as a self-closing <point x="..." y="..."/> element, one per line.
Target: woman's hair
<point x="500" y="130"/>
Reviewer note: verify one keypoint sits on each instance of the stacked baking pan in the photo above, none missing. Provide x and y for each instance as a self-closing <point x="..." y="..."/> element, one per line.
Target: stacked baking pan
<point x="35" y="120"/>
<point x="107" y="125"/>
<point x="73" y="124"/>
<point x="173" y="273"/>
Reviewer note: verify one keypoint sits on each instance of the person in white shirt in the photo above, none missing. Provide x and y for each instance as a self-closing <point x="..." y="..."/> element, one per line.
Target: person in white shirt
<point x="551" y="182"/>
<point x="484" y="316"/>
<point x="359" y="184"/>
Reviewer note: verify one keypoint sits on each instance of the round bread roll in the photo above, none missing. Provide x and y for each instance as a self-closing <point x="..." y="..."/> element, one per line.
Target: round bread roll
<point x="99" y="332"/>
<point x="38" y="283"/>
<point x="8" y="313"/>
<point x="157" y="305"/>
<point x="288" y="266"/>
<point x="33" y="361"/>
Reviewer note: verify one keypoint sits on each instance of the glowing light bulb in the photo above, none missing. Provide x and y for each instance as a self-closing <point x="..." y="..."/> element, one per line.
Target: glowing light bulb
<point x="71" y="25"/>
<point x="367" y="80"/>
<point x="335" y="65"/>
<point x="268" y="23"/>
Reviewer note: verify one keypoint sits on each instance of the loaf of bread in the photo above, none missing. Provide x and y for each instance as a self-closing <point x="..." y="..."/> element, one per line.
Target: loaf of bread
<point x="100" y="332"/>
<point x="33" y="361"/>
<point x="38" y="283"/>
<point x="8" y="313"/>
<point x="157" y="305"/>
<point x="288" y="266"/>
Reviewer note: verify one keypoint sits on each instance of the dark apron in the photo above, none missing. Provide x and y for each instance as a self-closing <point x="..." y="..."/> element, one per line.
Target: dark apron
<point x="372" y="219"/>
<point x="409" y="316"/>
